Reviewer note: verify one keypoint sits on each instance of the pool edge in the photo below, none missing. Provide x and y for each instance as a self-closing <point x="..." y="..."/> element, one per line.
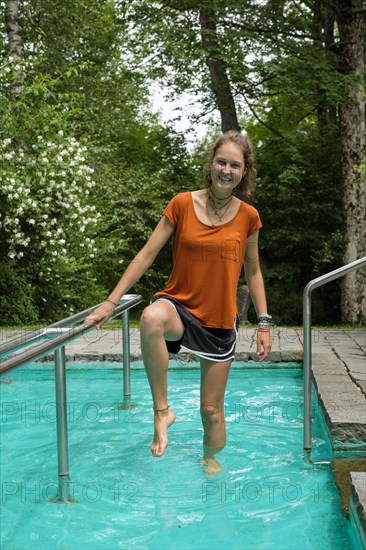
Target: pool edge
<point x="358" y="505"/>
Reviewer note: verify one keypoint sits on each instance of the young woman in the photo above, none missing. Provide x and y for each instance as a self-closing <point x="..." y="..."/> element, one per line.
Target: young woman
<point x="214" y="233"/>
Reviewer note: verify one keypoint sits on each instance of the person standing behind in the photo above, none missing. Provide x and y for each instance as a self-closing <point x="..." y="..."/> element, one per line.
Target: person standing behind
<point x="214" y="234"/>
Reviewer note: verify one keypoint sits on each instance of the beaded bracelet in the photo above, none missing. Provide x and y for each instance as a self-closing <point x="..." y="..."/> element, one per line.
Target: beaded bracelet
<point x="265" y="322"/>
<point x="265" y="317"/>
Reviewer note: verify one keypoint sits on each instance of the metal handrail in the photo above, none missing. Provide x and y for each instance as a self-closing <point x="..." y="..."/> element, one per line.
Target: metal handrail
<point x="25" y="339"/>
<point x="58" y="334"/>
<point x="307" y="357"/>
<point x="67" y="335"/>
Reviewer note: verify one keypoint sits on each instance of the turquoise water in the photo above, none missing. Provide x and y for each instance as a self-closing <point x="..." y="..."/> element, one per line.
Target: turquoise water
<point x="265" y="497"/>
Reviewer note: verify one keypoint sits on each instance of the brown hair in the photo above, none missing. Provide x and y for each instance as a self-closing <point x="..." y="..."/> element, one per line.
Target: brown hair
<point x="247" y="184"/>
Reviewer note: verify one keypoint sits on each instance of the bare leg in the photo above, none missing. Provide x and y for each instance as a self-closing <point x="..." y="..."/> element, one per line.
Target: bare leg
<point x="159" y="321"/>
<point x="213" y="385"/>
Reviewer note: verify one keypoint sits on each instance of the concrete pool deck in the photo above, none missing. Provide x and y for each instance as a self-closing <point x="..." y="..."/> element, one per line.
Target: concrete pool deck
<point x="339" y="370"/>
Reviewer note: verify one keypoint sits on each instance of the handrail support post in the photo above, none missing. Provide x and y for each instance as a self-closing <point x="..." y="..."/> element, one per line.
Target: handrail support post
<point x="307" y="368"/>
<point x="63" y="494"/>
<point x="61" y="334"/>
<point x="126" y="354"/>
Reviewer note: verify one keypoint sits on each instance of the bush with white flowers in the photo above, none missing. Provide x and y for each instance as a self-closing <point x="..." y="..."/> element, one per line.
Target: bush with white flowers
<point x="44" y="191"/>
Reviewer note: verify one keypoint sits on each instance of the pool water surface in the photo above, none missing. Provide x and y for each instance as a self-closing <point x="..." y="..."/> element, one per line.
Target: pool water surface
<point x="265" y="496"/>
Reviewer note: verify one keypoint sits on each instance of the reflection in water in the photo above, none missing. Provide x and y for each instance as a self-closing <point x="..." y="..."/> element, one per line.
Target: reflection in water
<point x="261" y="492"/>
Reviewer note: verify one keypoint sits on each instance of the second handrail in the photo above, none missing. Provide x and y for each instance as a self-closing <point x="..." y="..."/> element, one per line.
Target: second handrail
<point x="307" y="358"/>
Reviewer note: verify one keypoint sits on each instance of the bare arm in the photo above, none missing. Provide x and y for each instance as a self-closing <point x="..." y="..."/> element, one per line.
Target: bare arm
<point x="253" y="274"/>
<point x="254" y="279"/>
<point x="135" y="270"/>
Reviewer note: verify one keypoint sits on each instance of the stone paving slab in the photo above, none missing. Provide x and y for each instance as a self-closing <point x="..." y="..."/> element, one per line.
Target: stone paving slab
<point x="342" y="400"/>
<point x="287" y="343"/>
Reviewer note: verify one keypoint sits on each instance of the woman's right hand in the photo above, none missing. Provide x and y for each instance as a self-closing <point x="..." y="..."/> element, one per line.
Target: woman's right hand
<point x="101" y="314"/>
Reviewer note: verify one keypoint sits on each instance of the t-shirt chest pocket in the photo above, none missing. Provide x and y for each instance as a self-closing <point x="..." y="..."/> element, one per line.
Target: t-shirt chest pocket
<point x="228" y="250"/>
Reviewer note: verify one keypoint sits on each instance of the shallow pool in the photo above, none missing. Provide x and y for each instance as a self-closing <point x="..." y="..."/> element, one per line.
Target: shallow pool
<point x="265" y="497"/>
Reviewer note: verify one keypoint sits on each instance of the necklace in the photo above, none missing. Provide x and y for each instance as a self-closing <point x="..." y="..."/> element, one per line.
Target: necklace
<point x="217" y="208"/>
<point x="218" y="198"/>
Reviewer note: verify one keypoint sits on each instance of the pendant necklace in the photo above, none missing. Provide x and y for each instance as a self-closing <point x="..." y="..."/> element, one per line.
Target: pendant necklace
<point x="218" y="208"/>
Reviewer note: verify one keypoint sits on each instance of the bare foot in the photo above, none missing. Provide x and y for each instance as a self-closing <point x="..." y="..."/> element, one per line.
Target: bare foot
<point x="210" y="465"/>
<point x="162" y="421"/>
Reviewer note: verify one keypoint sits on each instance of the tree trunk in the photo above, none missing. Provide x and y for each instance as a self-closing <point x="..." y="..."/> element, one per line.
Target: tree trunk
<point x="350" y="17"/>
<point x="323" y="31"/>
<point x="220" y="84"/>
<point x="13" y="29"/>
<point x="14" y="43"/>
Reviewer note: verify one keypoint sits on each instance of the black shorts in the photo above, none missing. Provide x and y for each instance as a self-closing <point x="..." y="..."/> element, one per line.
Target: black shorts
<point x="213" y="344"/>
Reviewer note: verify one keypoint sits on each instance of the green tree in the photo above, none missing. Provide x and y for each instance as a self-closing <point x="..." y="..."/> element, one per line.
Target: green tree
<point x="350" y="18"/>
<point x="280" y="63"/>
<point x="78" y="146"/>
<point x="45" y="182"/>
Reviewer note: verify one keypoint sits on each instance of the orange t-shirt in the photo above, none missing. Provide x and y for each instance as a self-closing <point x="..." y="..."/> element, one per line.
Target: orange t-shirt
<point x="207" y="261"/>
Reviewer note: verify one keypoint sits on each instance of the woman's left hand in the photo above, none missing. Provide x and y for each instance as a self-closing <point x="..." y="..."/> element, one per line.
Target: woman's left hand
<point x="264" y="344"/>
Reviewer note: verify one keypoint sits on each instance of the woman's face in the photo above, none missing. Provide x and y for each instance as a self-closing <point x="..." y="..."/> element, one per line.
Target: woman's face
<point x="227" y="169"/>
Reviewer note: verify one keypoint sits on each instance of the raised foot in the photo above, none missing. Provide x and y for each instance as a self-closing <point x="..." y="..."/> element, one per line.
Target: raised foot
<point x="162" y="421"/>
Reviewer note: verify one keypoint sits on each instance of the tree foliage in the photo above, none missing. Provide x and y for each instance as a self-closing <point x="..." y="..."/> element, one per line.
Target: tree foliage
<point x="283" y="74"/>
<point x="81" y="146"/>
<point x="79" y="150"/>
